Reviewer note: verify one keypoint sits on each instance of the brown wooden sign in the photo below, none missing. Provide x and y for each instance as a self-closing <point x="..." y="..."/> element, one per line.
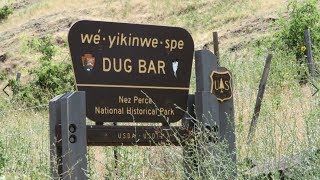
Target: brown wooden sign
<point x="221" y="84"/>
<point x="137" y="135"/>
<point x="132" y="72"/>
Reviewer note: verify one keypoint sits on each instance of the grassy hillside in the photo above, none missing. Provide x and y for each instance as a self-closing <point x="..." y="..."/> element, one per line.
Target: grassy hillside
<point x="288" y="125"/>
<point x="236" y="21"/>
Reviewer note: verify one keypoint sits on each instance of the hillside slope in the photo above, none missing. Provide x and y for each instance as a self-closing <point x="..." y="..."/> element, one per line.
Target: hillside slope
<point x="237" y="22"/>
<point x="288" y="120"/>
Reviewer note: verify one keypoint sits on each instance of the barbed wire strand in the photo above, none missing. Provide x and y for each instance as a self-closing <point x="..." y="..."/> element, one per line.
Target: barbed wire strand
<point x="23" y="109"/>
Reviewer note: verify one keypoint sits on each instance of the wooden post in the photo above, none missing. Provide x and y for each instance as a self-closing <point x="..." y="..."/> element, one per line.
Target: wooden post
<point x="308" y="44"/>
<point x="18" y="76"/>
<point x="55" y="144"/>
<point x="74" y="136"/>
<point x="227" y="127"/>
<point x="257" y="107"/>
<point x="68" y="139"/>
<point x="213" y="116"/>
<point x="216" y="46"/>
<point x="207" y="113"/>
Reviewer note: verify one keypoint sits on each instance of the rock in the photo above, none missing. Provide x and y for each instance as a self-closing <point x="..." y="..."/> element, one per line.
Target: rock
<point x="3" y="57"/>
<point x="59" y="40"/>
<point x="271" y="18"/>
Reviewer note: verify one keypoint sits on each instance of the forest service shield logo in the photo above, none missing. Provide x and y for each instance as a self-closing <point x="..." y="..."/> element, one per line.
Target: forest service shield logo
<point x="221" y="85"/>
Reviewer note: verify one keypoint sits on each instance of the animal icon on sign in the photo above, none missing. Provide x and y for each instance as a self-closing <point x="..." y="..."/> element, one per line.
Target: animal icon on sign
<point x="175" y="66"/>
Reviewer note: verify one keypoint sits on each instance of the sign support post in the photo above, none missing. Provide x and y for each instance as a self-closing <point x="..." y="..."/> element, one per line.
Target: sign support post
<point x="69" y="145"/>
<point x="215" y="112"/>
<point x="140" y="73"/>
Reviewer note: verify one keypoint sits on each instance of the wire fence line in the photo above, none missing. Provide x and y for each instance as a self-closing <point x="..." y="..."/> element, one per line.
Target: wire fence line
<point x="24" y="108"/>
<point x="239" y="93"/>
<point x="39" y="159"/>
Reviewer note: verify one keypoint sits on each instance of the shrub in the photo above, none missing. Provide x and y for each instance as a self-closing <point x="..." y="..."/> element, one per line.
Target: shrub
<point x="5" y="11"/>
<point x="44" y="46"/>
<point x="302" y="15"/>
<point x="288" y="46"/>
<point x="49" y="79"/>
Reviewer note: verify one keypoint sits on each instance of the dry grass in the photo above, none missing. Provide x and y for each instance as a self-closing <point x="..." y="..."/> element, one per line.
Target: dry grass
<point x="282" y="127"/>
<point x="237" y="22"/>
<point x="24" y="135"/>
<point x="221" y="16"/>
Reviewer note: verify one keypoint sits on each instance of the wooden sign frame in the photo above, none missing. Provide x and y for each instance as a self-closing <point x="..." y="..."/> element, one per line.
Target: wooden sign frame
<point x="132" y="72"/>
<point x="70" y="136"/>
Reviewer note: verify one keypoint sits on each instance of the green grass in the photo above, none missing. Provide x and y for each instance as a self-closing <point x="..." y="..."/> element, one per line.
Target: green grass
<point x="288" y="125"/>
<point x="288" y="110"/>
<point x="24" y="135"/>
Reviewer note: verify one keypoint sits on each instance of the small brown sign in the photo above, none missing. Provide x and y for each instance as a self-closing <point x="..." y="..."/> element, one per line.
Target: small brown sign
<point x="132" y="72"/>
<point x="221" y="85"/>
<point x="136" y="135"/>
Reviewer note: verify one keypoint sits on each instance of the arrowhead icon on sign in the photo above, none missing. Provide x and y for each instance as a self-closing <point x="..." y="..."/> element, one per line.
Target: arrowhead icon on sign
<point x="175" y="65"/>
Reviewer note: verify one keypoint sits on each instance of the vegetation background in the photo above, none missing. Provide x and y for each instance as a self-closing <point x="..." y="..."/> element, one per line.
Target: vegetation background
<point x="33" y="41"/>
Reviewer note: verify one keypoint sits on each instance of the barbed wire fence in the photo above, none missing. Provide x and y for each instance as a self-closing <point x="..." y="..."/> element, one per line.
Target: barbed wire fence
<point x="42" y="106"/>
<point x="24" y="136"/>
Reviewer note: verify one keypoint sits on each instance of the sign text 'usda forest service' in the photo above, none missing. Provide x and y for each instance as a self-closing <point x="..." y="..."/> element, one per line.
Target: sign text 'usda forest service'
<point x="221" y="84"/>
<point x="132" y="72"/>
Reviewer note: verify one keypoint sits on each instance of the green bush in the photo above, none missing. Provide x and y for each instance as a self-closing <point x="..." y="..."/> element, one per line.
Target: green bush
<point x="5" y="11"/>
<point x="302" y="15"/>
<point x="44" y="46"/>
<point x="49" y="79"/>
<point x="287" y="43"/>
